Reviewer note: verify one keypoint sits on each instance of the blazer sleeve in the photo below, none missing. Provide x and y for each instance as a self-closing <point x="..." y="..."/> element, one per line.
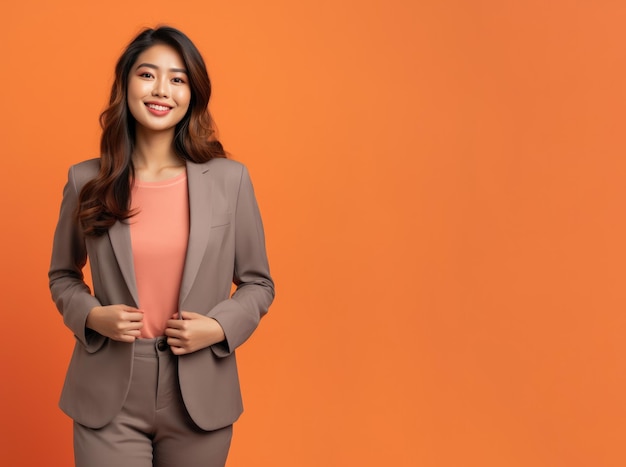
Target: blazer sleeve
<point x="71" y="295"/>
<point x="240" y="315"/>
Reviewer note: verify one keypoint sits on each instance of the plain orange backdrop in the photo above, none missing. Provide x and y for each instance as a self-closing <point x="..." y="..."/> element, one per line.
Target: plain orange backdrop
<point x="442" y="186"/>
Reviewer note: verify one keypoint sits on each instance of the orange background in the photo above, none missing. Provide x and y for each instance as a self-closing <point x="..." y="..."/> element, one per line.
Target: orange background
<point x="442" y="184"/>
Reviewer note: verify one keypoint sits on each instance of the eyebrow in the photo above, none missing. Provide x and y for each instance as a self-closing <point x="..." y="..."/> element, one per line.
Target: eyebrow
<point x="154" y="67"/>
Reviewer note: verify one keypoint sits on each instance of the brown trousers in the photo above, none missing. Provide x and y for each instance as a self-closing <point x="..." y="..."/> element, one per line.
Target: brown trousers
<point x="153" y="428"/>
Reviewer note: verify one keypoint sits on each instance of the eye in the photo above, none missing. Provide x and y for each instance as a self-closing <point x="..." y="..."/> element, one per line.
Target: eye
<point x="178" y="80"/>
<point x="145" y="74"/>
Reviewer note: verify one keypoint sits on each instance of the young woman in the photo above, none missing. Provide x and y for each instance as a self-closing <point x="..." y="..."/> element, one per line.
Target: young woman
<point x="168" y="224"/>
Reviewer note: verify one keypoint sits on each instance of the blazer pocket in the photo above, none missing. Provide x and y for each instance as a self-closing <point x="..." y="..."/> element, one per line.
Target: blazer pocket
<point x="220" y="219"/>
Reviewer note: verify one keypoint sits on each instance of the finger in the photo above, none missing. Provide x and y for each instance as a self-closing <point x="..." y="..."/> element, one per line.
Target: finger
<point x="133" y="316"/>
<point x="175" y="324"/>
<point x="133" y="325"/>
<point x="174" y="342"/>
<point x="176" y="334"/>
<point x="169" y="332"/>
<point x="178" y="350"/>
<point x="189" y="314"/>
<point x="124" y="338"/>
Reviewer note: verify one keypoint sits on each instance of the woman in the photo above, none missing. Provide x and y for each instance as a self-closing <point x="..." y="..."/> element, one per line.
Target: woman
<point x="168" y="224"/>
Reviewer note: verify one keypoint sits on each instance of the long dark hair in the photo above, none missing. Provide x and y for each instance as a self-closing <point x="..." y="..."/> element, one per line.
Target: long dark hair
<point x="106" y="199"/>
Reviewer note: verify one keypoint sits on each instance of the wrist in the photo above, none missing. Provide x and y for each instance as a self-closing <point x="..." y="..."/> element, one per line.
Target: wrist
<point x="91" y="316"/>
<point x="218" y="332"/>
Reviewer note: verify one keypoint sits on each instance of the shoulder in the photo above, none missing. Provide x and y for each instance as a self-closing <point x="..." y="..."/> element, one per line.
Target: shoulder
<point x="79" y="174"/>
<point x="223" y="165"/>
<point x="90" y="166"/>
<point x="84" y="171"/>
<point x="220" y="168"/>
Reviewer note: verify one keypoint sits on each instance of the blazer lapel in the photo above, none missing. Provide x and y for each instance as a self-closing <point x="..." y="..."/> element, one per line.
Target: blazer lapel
<point x="200" y="186"/>
<point x="119" y="233"/>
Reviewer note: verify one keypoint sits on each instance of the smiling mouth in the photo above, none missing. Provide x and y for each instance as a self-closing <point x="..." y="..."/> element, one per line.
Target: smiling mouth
<point x="160" y="108"/>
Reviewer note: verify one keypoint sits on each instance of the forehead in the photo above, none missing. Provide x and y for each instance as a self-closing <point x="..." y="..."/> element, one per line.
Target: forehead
<point x="161" y="55"/>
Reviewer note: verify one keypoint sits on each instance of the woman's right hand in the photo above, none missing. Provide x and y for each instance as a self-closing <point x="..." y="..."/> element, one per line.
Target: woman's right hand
<point x="118" y="322"/>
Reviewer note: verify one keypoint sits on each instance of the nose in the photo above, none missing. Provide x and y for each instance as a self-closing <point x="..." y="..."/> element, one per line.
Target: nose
<point x="160" y="88"/>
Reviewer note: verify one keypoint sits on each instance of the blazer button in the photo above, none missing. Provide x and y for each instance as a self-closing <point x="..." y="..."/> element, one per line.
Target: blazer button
<point x="162" y="345"/>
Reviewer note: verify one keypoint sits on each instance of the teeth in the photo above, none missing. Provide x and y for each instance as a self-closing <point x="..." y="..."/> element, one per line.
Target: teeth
<point x="158" y="107"/>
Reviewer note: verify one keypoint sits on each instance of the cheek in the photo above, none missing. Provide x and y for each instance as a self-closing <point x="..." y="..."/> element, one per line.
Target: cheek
<point x="133" y="103"/>
<point x="183" y="97"/>
<point x="137" y="89"/>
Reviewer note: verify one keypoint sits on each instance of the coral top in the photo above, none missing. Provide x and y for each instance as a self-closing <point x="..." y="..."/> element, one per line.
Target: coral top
<point x="159" y="233"/>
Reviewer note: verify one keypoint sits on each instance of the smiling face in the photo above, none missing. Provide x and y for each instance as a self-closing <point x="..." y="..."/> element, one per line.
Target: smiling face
<point x="158" y="89"/>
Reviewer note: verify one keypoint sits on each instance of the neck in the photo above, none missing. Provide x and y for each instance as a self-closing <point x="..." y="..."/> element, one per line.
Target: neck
<point x="154" y="149"/>
<point x="154" y="157"/>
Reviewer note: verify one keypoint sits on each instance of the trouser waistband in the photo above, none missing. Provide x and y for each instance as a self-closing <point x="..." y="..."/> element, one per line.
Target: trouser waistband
<point x="153" y="347"/>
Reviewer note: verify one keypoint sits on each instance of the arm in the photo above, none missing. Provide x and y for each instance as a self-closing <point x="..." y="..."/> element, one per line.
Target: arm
<point x="69" y="291"/>
<point x="240" y="315"/>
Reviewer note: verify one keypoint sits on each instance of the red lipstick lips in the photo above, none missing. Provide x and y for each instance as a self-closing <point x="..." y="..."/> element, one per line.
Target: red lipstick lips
<point x="158" y="109"/>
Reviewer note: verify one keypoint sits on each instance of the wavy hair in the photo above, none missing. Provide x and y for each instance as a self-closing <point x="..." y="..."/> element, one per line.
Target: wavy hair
<point x="106" y="199"/>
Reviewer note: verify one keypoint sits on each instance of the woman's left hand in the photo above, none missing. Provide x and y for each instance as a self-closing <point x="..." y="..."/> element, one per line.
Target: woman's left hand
<point x="193" y="332"/>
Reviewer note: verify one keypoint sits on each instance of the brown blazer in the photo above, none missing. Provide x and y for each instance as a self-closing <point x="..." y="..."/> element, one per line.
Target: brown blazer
<point x="226" y="245"/>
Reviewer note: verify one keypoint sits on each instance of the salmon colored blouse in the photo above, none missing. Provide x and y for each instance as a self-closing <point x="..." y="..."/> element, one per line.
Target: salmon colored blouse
<point x="159" y="233"/>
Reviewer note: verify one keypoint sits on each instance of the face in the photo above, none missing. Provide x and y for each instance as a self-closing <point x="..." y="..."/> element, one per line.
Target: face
<point x="158" y="89"/>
